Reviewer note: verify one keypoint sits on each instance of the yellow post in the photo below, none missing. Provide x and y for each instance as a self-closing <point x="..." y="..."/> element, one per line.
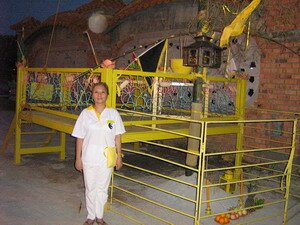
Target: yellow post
<point x="201" y="170"/>
<point x="288" y="171"/>
<point x="17" y="156"/>
<point x="62" y="145"/>
<point x="240" y="111"/>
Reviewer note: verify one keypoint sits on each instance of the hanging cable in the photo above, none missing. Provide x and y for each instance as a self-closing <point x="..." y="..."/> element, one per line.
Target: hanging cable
<point x="53" y="28"/>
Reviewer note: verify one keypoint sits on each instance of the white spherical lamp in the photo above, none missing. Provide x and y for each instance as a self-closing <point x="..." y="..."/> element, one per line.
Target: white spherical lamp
<point x="97" y="23"/>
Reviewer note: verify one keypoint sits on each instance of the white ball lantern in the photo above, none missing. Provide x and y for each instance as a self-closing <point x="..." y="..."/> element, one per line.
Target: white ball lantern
<point x="97" y="23"/>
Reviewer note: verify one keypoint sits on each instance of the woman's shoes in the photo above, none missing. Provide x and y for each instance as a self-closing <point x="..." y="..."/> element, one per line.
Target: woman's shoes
<point x="89" y="222"/>
<point x="100" y="222"/>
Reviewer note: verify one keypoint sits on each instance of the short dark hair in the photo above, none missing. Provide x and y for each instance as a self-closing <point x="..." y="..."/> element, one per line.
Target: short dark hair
<point x="103" y="84"/>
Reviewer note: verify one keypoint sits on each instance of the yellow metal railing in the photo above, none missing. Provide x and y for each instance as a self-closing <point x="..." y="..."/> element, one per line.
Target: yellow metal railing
<point x="270" y="113"/>
<point x="206" y="208"/>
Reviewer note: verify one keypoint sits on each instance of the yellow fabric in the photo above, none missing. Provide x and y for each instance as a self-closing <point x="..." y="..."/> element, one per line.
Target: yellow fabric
<point x="237" y="25"/>
<point x="91" y="107"/>
<point x="111" y="155"/>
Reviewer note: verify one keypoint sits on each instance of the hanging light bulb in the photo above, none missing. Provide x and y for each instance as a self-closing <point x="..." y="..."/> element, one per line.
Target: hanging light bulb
<point x="252" y="65"/>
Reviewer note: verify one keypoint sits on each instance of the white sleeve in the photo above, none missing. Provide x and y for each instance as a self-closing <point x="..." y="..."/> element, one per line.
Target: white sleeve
<point x="120" y="129"/>
<point x="79" y="130"/>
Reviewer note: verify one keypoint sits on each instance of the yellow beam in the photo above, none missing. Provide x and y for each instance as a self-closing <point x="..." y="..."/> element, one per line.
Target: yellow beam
<point x="24" y="151"/>
<point x="154" y="74"/>
<point x="151" y="135"/>
<point x="52" y="122"/>
<point x="150" y="122"/>
<point x="53" y="112"/>
<point x="227" y="129"/>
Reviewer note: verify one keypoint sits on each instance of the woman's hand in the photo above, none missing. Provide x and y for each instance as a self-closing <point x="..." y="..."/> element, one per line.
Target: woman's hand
<point x="119" y="163"/>
<point x="78" y="165"/>
<point x="78" y="161"/>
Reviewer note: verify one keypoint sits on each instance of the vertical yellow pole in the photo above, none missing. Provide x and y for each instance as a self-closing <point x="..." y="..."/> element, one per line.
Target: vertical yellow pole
<point x="17" y="156"/>
<point x="62" y="139"/>
<point x="242" y="96"/>
<point x="240" y="111"/>
<point x="201" y="169"/>
<point x="289" y="172"/>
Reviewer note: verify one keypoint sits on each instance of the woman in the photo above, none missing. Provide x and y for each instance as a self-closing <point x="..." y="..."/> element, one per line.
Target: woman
<point x="97" y="127"/>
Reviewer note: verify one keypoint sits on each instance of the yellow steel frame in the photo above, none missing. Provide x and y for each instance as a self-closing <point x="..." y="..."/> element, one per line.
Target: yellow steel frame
<point x="233" y="124"/>
<point x="111" y="77"/>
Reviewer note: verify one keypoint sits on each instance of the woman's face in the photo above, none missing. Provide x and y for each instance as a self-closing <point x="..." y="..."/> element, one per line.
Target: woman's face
<point x="100" y="94"/>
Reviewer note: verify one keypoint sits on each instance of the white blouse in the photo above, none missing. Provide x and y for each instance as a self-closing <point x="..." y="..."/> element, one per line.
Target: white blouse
<point x="97" y="132"/>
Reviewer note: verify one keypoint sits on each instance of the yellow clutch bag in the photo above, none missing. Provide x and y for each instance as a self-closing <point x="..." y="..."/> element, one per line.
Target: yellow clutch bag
<point x="111" y="155"/>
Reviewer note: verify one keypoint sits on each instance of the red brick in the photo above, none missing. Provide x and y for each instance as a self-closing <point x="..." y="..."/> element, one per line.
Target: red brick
<point x="294" y="59"/>
<point x="295" y="97"/>
<point x="278" y="81"/>
<point x="285" y="65"/>
<point x="290" y="92"/>
<point x="290" y="70"/>
<point x="297" y="76"/>
<point x="285" y="76"/>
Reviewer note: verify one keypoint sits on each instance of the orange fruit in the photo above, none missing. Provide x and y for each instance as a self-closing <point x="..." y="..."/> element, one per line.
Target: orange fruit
<point x="217" y="219"/>
<point x="226" y="220"/>
<point x="222" y="220"/>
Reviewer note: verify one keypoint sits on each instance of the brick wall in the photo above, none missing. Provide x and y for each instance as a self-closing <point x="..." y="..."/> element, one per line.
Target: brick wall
<point x="279" y="88"/>
<point x="68" y="49"/>
<point x="280" y="67"/>
<point x="280" y="77"/>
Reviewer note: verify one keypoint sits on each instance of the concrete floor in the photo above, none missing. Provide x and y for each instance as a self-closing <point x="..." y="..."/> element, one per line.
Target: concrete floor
<point x="42" y="190"/>
<point x="46" y="191"/>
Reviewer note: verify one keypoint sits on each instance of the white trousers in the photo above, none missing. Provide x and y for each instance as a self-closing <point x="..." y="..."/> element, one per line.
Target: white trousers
<point x="96" y="180"/>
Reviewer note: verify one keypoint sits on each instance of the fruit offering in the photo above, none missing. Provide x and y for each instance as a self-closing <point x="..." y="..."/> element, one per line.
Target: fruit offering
<point x="222" y="219"/>
<point x="236" y="212"/>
